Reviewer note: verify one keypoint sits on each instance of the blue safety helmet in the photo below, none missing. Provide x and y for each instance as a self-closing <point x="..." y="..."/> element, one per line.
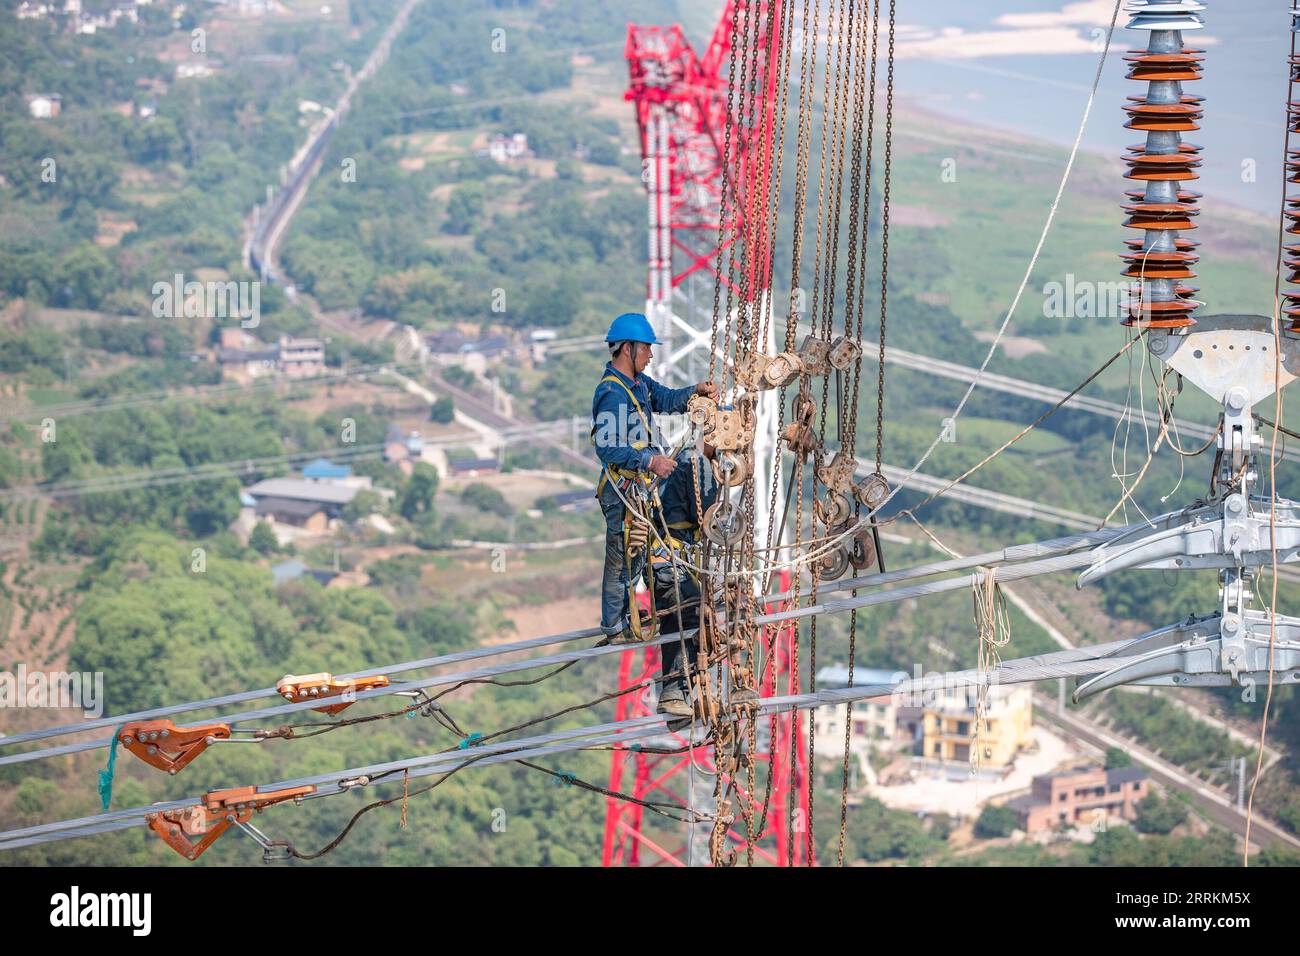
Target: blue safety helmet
<point x="631" y="327"/>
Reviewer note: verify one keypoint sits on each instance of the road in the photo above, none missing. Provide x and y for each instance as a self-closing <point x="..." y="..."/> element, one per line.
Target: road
<point x="267" y="224"/>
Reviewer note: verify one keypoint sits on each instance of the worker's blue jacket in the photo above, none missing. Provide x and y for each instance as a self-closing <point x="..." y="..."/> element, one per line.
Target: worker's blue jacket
<point x="622" y="418"/>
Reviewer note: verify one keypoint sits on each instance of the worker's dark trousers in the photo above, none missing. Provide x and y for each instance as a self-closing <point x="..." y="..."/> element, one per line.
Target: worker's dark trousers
<point x="614" y="592"/>
<point x="666" y="596"/>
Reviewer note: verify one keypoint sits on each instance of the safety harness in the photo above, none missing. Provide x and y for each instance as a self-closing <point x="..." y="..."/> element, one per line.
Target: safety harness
<point x="623" y="474"/>
<point x="636" y="492"/>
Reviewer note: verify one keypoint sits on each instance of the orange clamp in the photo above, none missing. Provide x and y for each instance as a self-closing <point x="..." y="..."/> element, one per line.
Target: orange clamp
<point x="163" y="745"/>
<point x="299" y="688"/>
<point x="220" y="810"/>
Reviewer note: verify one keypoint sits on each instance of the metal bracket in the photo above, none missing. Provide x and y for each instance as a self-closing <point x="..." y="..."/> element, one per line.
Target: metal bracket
<point x="838" y="475"/>
<point x="800" y="435"/>
<point x="219" y="810"/>
<point x="1224" y="352"/>
<point x="1231" y="533"/>
<point x="725" y="427"/>
<point x="164" y="746"/>
<point x="1220" y="650"/>
<point x="815" y="355"/>
<point x="294" y="688"/>
<point x="819" y="357"/>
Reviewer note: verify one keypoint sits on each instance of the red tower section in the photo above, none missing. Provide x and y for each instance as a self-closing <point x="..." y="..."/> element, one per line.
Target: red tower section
<point x="706" y="161"/>
<point x="660" y="777"/>
<point x="707" y="127"/>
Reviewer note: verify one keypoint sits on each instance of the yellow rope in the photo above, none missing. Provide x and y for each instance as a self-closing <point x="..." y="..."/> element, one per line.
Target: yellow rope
<point x="993" y="622"/>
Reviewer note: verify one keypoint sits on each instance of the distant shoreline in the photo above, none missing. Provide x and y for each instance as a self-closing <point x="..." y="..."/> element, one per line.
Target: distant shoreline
<point x="915" y="108"/>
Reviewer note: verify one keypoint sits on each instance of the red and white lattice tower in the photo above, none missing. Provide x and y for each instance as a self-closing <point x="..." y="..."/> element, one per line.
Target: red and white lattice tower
<point x="707" y="197"/>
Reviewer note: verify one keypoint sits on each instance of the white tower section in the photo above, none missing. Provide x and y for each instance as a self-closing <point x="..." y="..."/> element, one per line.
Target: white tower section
<point x="682" y="318"/>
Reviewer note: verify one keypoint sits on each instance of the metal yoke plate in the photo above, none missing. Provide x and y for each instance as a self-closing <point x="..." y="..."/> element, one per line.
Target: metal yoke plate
<point x="1223" y="352"/>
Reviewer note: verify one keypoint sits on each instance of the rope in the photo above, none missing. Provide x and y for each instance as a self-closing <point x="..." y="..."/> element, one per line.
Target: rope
<point x="993" y="623"/>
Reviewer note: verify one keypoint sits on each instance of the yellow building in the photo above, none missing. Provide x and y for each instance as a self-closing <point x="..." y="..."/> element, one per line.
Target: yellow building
<point x="948" y="728"/>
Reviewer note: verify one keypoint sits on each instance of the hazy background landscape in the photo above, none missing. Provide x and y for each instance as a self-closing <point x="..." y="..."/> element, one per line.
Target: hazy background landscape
<point x="413" y="223"/>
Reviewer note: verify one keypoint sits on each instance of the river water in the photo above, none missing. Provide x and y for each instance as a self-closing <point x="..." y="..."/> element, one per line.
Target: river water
<point x="986" y="62"/>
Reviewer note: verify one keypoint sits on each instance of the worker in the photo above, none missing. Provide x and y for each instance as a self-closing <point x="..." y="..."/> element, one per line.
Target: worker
<point x="622" y="429"/>
<point x="676" y="582"/>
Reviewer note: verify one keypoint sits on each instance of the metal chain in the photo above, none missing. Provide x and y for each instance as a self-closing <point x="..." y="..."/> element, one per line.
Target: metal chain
<point x="752" y="123"/>
<point x="722" y="203"/>
<point x="848" y="437"/>
<point x="824" y="291"/>
<point x="831" y="20"/>
<point x="801" y="163"/>
<point x="884" y="245"/>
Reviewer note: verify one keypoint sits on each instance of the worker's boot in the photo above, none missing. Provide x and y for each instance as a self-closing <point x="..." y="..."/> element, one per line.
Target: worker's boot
<point x="674" y="697"/>
<point x="625" y="636"/>
<point x="629" y="634"/>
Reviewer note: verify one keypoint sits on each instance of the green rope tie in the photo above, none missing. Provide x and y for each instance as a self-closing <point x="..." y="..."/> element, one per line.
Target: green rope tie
<point x="105" y="785"/>
<point x="565" y="778"/>
<point x="469" y="741"/>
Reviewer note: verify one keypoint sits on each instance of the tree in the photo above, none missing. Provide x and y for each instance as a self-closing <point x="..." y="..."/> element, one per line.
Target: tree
<point x="85" y="274"/>
<point x="1117" y="758"/>
<point x="363" y="504"/>
<point x="486" y="498"/>
<point x="994" y="822"/>
<point x="941" y="825"/>
<point x="464" y="207"/>
<point x="1157" y="815"/>
<point x="459" y="376"/>
<point x="438" y="628"/>
<point x="262" y="539"/>
<point x="417" y="496"/>
<point x="874" y="832"/>
<point x="565" y="390"/>
<point x="443" y="411"/>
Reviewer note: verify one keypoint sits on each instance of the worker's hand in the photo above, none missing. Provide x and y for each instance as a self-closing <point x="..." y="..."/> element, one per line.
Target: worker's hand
<point x="707" y="389"/>
<point x="662" y="465"/>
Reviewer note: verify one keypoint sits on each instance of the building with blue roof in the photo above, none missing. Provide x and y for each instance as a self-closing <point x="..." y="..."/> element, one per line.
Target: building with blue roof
<point x="322" y="469"/>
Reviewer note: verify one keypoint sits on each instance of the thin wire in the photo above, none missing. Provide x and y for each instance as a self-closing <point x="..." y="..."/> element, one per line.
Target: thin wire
<point x="1272" y="464"/>
<point x="1033" y="259"/>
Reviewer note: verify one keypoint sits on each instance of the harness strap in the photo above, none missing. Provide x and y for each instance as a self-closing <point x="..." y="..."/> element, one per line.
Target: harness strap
<point x="638" y="446"/>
